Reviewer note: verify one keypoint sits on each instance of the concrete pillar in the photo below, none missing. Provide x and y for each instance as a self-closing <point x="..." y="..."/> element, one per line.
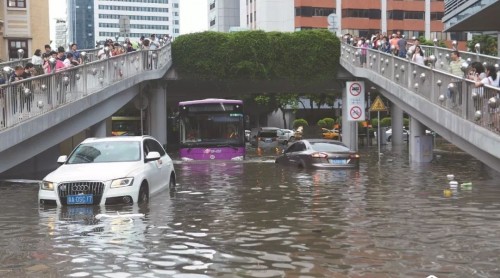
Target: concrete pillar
<point x="397" y="125"/>
<point x="421" y="145"/>
<point x="101" y="129"/>
<point x="349" y="129"/>
<point x="338" y="12"/>
<point x="383" y="20"/>
<point x="427" y="21"/>
<point x="158" y="112"/>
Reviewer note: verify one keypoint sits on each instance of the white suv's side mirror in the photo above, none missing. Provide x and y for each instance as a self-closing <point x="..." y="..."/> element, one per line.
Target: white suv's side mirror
<point x="62" y="159"/>
<point x="152" y="156"/>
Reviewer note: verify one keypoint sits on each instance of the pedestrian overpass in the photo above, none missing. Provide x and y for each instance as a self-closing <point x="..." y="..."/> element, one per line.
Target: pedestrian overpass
<point x="40" y="113"/>
<point x="452" y="106"/>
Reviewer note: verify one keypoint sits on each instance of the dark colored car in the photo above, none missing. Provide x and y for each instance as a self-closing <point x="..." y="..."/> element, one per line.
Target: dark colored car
<point x="319" y="153"/>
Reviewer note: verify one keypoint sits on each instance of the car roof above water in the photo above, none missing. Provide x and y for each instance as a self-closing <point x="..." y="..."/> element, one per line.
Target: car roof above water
<point x="116" y="138"/>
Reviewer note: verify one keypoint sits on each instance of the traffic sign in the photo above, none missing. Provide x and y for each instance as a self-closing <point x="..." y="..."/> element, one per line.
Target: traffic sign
<point x="378" y="105"/>
<point x="355" y="89"/>
<point x="356" y="112"/>
<point x="355" y="101"/>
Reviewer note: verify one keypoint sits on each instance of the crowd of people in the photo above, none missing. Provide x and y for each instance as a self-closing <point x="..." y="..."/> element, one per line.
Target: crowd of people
<point x="40" y="61"/>
<point x="480" y="74"/>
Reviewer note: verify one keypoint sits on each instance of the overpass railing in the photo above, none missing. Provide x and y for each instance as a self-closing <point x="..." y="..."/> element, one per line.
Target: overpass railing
<point x="457" y="94"/>
<point x="91" y="54"/>
<point x="443" y="56"/>
<point x="22" y="100"/>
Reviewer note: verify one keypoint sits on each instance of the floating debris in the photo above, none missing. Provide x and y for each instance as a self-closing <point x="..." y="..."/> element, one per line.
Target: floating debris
<point x="466" y="185"/>
<point x="118" y="215"/>
<point x="453" y="184"/>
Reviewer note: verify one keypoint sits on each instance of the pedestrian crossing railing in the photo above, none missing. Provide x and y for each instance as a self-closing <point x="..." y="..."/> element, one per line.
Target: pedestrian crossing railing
<point x="28" y="98"/>
<point x="91" y="56"/>
<point x="443" y="56"/>
<point x="458" y="94"/>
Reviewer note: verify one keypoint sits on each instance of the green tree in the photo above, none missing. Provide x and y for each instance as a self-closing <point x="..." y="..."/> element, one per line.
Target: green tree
<point x="329" y="122"/>
<point x="385" y="121"/>
<point x="488" y="44"/>
<point x="321" y="123"/>
<point x="299" y="122"/>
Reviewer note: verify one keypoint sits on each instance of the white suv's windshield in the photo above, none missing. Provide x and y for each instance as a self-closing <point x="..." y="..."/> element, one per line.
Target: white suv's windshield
<point x="109" y="151"/>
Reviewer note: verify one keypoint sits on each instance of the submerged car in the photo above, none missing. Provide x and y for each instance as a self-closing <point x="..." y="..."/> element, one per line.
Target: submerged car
<point x="285" y="136"/>
<point x="319" y="153"/>
<point x="330" y="134"/>
<point x="101" y="171"/>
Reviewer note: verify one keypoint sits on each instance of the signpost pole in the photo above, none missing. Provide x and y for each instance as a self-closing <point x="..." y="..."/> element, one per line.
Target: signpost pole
<point x="379" y="136"/>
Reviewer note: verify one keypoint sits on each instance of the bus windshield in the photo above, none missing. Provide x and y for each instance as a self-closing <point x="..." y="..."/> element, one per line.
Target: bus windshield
<point x="211" y="129"/>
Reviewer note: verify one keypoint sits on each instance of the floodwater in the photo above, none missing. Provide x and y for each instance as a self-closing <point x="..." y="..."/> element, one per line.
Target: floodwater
<point x="390" y="218"/>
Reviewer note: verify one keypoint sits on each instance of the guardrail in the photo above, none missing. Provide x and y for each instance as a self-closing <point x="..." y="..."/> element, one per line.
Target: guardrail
<point x="457" y="94"/>
<point x="22" y="100"/>
<point x="91" y="54"/>
<point x="443" y="56"/>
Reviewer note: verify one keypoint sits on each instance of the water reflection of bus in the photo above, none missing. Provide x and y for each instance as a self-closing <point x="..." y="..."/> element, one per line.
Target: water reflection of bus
<point x="126" y="125"/>
<point x="211" y="129"/>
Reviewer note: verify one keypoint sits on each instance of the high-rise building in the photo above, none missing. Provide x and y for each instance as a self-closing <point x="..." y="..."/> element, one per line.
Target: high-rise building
<point x="61" y="33"/>
<point x="357" y="17"/>
<point x="475" y="16"/>
<point x="80" y="14"/>
<point x="276" y="15"/>
<point x="24" y="25"/>
<point x="140" y="17"/>
<point x="223" y="14"/>
<point x="93" y="21"/>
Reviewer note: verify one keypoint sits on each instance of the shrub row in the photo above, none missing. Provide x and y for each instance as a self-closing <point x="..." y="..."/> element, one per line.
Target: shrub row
<point x="311" y="55"/>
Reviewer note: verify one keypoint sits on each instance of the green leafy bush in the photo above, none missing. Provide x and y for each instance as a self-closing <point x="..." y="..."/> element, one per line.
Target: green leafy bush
<point x="329" y="122"/>
<point x="303" y="56"/>
<point x="385" y="121"/>
<point x="299" y="122"/>
<point x="406" y="122"/>
<point x="321" y="123"/>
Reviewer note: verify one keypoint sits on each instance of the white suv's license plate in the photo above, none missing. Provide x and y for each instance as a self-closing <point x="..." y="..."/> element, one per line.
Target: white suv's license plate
<point x="84" y="199"/>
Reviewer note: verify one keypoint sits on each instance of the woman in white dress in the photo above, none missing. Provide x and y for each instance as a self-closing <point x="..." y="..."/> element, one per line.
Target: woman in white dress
<point x="37" y="61"/>
<point x="418" y="56"/>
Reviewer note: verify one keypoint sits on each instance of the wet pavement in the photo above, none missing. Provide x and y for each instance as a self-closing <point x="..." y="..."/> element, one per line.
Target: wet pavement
<point x="256" y="219"/>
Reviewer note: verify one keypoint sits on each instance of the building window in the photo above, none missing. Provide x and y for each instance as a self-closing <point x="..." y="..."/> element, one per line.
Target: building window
<point x="363" y="13"/>
<point x="14" y="45"/>
<point x="16" y="3"/>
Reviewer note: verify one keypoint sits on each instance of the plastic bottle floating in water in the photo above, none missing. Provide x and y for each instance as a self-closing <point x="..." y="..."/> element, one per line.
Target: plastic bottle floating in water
<point x="453" y="184"/>
<point x="466" y="185"/>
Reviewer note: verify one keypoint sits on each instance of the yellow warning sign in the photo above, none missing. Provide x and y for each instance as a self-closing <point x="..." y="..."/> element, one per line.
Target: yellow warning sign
<point x="378" y="105"/>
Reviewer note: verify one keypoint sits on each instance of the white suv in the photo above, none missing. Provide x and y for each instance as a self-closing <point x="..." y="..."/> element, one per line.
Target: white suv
<point x="285" y="136"/>
<point x="99" y="171"/>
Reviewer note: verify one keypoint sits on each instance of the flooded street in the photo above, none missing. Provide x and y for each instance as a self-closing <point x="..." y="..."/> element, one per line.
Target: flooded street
<point x="256" y="219"/>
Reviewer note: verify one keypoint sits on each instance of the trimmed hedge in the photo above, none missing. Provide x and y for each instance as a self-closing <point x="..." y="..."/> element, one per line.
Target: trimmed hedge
<point x="300" y="122"/>
<point x="309" y="55"/>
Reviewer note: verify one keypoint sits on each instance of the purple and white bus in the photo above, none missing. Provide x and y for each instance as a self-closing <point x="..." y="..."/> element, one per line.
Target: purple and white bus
<point x="211" y="129"/>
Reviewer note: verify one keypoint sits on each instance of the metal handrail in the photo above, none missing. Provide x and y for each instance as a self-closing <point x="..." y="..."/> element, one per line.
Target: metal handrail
<point x="456" y="94"/>
<point x="92" y="52"/>
<point x="28" y="98"/>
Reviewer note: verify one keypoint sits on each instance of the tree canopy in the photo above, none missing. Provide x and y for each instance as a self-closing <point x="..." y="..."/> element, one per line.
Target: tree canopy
<point x="297" y="57"/>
